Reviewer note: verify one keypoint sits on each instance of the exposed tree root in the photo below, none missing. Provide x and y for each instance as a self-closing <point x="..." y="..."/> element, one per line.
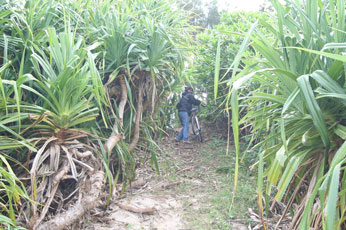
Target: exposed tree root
<point x="116" y="136"/>
<point x="138" y="115"/>
<point x="56" y="180"/>
<point x="55" y="192"/>
<point x="112" y="141"/>
<point x="148" y="211"/>
<point x="123" y="100"/>
<point x="86" y="203"/>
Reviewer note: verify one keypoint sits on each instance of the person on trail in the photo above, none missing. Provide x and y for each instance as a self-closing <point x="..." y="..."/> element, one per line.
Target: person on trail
<point x="184" y="110"/>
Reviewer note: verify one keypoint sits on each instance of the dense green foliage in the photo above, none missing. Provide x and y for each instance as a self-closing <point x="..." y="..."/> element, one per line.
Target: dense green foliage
<point x="100" y="75"/>
<point x="228" y="35"/>
<point x="86" y="71"/>
<point x="285" y="80"/>
<point x="298" y="111"/>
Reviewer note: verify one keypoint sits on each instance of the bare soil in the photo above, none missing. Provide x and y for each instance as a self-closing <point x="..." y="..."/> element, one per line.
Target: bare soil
<point x="176" y="199"/>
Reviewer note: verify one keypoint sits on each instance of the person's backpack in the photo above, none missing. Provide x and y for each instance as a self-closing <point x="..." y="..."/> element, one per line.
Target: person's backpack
<point x="179" y="103"/>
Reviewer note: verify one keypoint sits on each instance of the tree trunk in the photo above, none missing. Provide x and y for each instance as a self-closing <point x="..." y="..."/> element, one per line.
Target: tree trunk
<point x="138" y="115"/>
<point x="123" y="100"/>
<point x="116" y="136"/>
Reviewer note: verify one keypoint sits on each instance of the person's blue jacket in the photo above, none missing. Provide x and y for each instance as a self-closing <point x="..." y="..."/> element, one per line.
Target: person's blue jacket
<point x="186" y="102"/>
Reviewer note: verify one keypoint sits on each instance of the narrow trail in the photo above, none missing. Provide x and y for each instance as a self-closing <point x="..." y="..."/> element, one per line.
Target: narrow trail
<point x="177" y="199"/>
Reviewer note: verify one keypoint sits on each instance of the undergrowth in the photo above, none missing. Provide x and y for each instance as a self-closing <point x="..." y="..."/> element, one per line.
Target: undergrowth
<point x="208" y="184"/>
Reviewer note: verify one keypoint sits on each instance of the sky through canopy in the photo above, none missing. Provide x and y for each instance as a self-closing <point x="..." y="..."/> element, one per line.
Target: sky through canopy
<point x="233" y="5"/>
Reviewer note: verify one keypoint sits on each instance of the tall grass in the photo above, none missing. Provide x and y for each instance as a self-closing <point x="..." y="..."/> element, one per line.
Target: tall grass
<point x="13" y="193"/>
<point x="298" y="112"/>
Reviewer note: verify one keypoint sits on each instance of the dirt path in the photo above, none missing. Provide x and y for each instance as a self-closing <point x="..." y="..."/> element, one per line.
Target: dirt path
<point x="185" y="195"/>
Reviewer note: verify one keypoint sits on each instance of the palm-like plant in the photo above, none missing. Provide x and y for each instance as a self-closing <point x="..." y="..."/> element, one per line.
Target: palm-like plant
<point x="69" y="86"/>
<point x="56" y="55"/>
<point x="68" y="93"/>
<point x="141" y="56"/>
<point x="300" y="107"/>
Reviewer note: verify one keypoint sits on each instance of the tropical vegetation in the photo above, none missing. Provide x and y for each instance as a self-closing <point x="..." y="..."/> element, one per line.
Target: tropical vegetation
<point x="88" y="86"/>
<point x="297" y="111"/>
<point x="80" y="85"/>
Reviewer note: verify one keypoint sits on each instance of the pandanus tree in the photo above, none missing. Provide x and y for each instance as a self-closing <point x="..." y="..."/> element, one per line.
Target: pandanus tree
<point x="77" y="85"/>
<point x="298" y="111"/>
<point x="68" y="92"/>
<point x="143" y="53"/>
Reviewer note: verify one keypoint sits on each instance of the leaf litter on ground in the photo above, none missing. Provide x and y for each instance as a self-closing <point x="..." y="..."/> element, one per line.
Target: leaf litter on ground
<point x="193" y="191"/>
